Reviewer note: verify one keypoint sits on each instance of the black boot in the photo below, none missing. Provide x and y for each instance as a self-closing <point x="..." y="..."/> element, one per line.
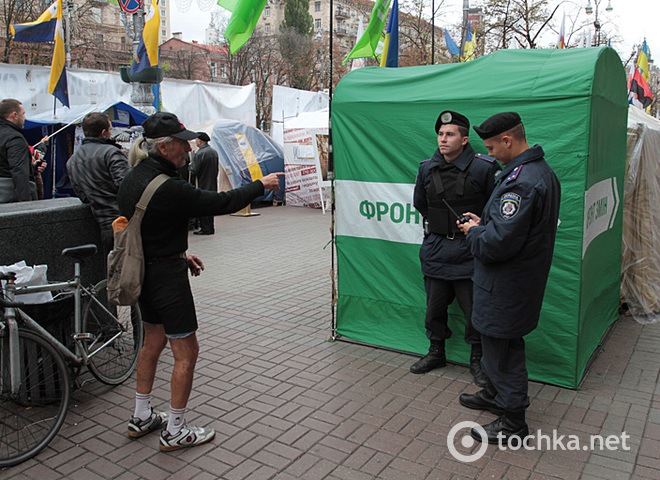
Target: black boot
<point x="482" y="400"/>
<point x="509" y="424"/>
<point x="434" y="359"/>
<point x="480" y="378"/>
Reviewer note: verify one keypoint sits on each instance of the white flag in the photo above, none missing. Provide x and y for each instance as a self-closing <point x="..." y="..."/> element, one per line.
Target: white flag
<point x="358" y="62"/>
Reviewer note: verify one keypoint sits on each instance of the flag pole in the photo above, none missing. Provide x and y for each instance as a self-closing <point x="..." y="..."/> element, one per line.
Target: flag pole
<point x="432" y="32"/>
<point x="331" y="176"/>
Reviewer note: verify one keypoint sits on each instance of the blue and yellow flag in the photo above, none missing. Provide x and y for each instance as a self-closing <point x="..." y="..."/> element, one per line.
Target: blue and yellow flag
<point x="451" y="45"/>
<point x="57" y="86"/>
<point x="41" y="30"/>
<point x="147" y="51"/>
<point x="470" y="48"/>
<point x="390" y="56"/>
<point x="643" y="61"/>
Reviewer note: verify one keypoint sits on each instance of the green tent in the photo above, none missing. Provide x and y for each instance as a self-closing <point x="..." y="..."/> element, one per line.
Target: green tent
<point x="572" y="102"/>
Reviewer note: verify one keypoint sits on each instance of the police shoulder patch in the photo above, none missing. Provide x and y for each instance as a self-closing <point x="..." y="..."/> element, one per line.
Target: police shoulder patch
<point x="509" y="205"/>
<point x="484" y="157"/>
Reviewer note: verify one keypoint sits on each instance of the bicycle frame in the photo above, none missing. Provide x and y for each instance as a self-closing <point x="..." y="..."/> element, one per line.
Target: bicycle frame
<point x="81" y="355"/>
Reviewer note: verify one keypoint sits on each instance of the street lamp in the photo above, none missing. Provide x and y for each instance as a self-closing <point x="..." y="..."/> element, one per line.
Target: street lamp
<point x="589" y="10"/>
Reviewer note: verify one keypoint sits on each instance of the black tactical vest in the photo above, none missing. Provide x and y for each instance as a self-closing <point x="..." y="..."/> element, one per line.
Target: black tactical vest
<point x="451" y="183"/>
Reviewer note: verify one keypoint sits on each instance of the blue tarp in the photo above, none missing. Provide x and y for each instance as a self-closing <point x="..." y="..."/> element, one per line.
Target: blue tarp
<point x="239" y="146"/>
<point x="38" y="126"/>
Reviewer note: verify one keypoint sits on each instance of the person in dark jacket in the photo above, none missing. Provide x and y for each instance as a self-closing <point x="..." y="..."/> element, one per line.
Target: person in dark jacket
<point x="204" y="166"/>
<point x="17" y="182"/>
<point x="166" y="301"/>
<point x="96" y="170"/>
<point x="454" y="175"/>
<point x="512" y="244"/>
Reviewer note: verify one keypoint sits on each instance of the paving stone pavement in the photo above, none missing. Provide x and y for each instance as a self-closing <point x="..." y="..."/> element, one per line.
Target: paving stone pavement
<point x="288" y="403"/>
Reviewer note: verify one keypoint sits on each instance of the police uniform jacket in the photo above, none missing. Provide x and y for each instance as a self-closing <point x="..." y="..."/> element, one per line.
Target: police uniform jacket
<point x="165" y="223"/>
<point x="441" y="257"/>
<point x="513" y="247"/>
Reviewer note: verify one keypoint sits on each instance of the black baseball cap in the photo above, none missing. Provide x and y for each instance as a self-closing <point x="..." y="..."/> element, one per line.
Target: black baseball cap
<point x="451" y="118"/>
<point x="165" y="124"/>
<point x="498" y="123"/>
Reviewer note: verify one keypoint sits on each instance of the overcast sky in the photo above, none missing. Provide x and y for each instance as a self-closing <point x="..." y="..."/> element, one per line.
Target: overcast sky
<point x="630" y="20"/>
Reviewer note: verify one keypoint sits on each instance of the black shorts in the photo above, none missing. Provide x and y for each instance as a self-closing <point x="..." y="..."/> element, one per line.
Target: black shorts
<point x="166" y="297"/>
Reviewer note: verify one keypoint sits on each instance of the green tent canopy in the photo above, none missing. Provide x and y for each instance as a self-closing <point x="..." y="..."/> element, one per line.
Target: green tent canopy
<point x="572" y="102"/>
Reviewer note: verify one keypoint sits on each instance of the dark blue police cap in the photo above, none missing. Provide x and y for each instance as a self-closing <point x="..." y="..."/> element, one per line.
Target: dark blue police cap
<point x="498" y="123"/>
<point x="451" y="118"/>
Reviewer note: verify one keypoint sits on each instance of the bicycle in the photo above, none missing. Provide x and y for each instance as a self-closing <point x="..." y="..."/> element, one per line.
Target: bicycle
<point x="37" y="369"/>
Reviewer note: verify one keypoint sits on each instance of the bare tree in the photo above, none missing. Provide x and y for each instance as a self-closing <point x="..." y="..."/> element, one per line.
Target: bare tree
<point x="21" y="11"/>
<point x="527" y="19"/>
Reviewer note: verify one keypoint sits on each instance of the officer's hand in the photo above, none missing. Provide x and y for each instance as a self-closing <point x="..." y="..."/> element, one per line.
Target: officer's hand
<point x="272" y="181"/>
<point x="474" y="221"/>
<point x="195" y="264"/>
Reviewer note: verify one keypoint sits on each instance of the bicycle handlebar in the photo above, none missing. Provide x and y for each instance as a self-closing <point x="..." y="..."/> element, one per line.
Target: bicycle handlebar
<point x="5" y="303"/>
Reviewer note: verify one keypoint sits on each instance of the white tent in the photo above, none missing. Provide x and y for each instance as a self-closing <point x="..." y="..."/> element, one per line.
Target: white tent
<point x="640" y="262"/>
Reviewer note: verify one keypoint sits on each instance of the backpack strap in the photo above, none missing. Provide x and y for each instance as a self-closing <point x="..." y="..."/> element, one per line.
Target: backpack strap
<point x="149" y="191"/>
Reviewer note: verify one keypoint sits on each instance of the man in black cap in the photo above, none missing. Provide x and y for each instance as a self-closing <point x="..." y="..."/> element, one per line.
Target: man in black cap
<point x="204" y="166"/>
<point x="455" y="176"/>
<point x="512" y="244"/>
<point x="166" y="302"/>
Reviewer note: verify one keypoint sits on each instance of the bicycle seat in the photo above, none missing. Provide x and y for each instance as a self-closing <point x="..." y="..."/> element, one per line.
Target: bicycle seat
<point x="80" y="251"/>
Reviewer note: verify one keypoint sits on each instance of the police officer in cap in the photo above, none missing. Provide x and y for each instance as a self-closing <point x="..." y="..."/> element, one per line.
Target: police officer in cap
<point x="512" y="244"/>
<point x="452" y="179"/>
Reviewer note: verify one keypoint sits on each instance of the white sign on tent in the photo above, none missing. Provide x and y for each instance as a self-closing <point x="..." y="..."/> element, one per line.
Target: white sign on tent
<point x="306" y="160"/>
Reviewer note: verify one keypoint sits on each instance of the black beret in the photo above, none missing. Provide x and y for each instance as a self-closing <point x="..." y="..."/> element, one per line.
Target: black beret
<point x="451" y="118"/>
<point x="203" y="137"/>
<point x="498" y="123"/>
<point x="165" y="124"/>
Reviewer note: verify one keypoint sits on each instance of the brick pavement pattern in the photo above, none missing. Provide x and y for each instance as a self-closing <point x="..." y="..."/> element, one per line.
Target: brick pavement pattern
<point x="288" y="403"/>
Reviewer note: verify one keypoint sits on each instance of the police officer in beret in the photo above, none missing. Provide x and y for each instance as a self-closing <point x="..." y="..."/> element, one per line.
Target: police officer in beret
<point x="512" y="244"/>
<point x="452" y="179"/>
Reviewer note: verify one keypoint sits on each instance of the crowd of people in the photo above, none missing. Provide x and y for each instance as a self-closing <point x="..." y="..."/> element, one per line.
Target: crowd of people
<point x="489" y="234"/>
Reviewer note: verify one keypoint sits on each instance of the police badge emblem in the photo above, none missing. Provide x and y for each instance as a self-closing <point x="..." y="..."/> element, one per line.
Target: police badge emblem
<point x="509" y="205"/>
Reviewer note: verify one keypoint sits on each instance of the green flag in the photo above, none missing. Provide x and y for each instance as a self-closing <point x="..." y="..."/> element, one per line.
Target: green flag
<point x="366" y="45"/>
<point x="245" y="14"/>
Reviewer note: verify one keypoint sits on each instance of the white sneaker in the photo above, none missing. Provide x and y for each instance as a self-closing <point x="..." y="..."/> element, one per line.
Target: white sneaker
<point x="137" y="428"/>
<point x="188" y="436"/>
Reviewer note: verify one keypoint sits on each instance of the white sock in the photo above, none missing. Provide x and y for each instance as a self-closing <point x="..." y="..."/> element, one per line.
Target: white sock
<point x="175" y="421"/>
<point x="142" y="405"/>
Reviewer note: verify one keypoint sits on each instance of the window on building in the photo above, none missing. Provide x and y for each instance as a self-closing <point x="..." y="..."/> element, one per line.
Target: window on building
<point x="317" y="6"/>
<point x="267" y="12"/>
<point x="123" y="40"/>
<point x="317" y="24"/>
<point x="162" y="12"/>
<point x="213" y="66"/>
<point x="223" y="70"/>
<point x="163" y="33"/>
<point x="97" y="15"/>
<point x="267" y="28"/>
<point x="163" y="22"/>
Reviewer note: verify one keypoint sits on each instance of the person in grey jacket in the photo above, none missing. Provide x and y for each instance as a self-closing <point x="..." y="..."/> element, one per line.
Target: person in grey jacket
<point x="204" y="166"/>
<point x="96" y="170"/>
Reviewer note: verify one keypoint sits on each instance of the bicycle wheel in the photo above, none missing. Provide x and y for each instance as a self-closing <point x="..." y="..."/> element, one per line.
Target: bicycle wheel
<point x="115" y="362"/>
<point x="31" y="418"/>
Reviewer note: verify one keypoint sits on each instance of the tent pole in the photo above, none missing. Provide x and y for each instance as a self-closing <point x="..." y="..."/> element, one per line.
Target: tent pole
<point x="331" y="177"/>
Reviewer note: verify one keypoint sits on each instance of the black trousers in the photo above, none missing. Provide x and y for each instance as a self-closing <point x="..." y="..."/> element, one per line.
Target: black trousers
<point x="439" y="295"/>
<point x="206" y="224"/>
<point x="504" y="362"/>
